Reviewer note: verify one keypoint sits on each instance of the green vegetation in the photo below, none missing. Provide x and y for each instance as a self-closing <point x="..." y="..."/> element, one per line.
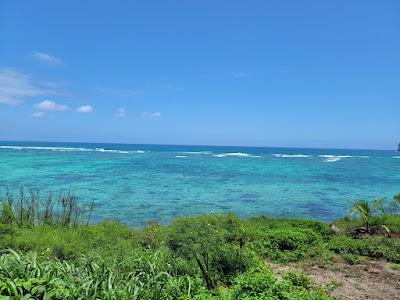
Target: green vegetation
<point x="394" y="266"/>
<point x="49" y="251"/>
<point x="366" y="210"/>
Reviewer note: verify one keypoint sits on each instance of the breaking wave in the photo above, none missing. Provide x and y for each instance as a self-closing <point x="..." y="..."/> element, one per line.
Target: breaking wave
<point x="70" y="149"/>
<point x="235" y="154"/>
<point x="291" y="155"/>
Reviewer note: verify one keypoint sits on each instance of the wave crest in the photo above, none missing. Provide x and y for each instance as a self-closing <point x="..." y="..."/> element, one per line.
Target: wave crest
<point x="67" y="149"/>
<point x="279" y="155"/>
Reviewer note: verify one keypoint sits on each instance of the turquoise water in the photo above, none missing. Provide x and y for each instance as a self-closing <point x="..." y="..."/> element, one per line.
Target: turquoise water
<point x="139" y="183"/>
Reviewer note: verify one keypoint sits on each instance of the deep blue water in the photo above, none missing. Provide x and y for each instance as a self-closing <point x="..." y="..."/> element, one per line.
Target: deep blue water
<point x="139" y="183"/>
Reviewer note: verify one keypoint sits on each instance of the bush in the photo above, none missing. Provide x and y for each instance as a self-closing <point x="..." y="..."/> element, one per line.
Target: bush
<point x="353" y="259"/>
<point x="298" y="279"/>
<point x="289" y="244"/>
<point x="262" y="284"/>
<point x="214" y="243"/>
<point x="394" y="266"/>
<point x="254" y="283"/>
<point x="377" y="247"/>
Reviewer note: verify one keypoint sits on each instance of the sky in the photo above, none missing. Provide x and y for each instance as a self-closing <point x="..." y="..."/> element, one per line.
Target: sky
<point x="256" y="73"/>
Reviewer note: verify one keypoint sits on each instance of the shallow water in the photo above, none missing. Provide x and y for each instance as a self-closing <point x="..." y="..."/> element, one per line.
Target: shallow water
<point x="139" y="183"/>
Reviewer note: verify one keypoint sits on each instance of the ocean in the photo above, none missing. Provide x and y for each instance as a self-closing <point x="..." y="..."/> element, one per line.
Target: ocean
<point x="136" y="184"/>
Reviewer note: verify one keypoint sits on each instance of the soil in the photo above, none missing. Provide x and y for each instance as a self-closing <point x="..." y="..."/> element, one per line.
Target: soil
<point x="374" y="280"/>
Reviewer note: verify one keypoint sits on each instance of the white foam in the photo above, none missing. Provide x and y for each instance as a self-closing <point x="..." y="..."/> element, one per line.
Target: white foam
<point x="291" y="155"/>
<point x="197" y="152"/>
<point x="333" y="158"/>
<point x="66" y="149"/>
<point x="44" y="148"/>
<point x="398" y="157"/>
<point x="115" y="151"/>
<point x="237" y="154"/>
<point x="180" y="156"/>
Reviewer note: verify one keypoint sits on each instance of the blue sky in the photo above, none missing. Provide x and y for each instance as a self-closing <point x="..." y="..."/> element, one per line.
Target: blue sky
<point x="262" y="73"/>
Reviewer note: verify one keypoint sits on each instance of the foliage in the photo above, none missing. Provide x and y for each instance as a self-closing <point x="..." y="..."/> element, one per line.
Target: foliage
<point x="214" y="243"/>
<point x="262" y="284"/>
<point x="366" y="210"/>
<point x="377" y="247"/>
<point x="204" y="257"/>
<point x="30" y="210"/>
<point x="298" y="279"/>
<point x="25" y="276"/>
<point x="289" y="244"/>
<point x="353" y="259"/>
<point x="394" y="266"/>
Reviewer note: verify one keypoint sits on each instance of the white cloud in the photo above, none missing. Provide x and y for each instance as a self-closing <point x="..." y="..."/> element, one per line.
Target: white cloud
<point x="120" y="113"/>
<point x="47" y="58"/>
<point x="15" y="86"/>
<point x="85" y="109"/>
<point x="151" y="114"/>
<point x="38" y="114"/>
<point x="51" y="105"/>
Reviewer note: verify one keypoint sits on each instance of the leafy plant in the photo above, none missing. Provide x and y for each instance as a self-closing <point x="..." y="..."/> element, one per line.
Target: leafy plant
<point x="353" y="259"/>
<point x="213" y="242"/>
<point x="366" y="210"/>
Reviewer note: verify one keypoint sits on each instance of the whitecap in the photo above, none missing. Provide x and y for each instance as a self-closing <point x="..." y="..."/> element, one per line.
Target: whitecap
<point x="398" y="157"/>
<point x="112" y="151"/>
<point x="68" y="149"/>
<point x="180" y="156"/>
<point x="237" y="154"/>
<point x="45" y="148"/>
<point x="333" y="158"/>
<point x="197" y="152"/>
<point x="291" y="155"/>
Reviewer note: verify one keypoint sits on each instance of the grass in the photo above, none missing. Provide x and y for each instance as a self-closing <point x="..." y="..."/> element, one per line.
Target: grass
<point x="204" y="257"/>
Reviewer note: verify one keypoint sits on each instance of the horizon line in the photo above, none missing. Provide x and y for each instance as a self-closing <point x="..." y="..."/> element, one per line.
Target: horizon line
<point x="195" y="145"/>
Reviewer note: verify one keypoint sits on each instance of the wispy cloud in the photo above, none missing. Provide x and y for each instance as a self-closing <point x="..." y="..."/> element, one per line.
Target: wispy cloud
<point x="47" y="58"/>
<point x="120" y="113"/>
<point x="51" y="105"/>
<point x="15" y="86"/>
<point x="85" y="109"/>
<point x="150" y="115"/>
<point x="38" y="114"/>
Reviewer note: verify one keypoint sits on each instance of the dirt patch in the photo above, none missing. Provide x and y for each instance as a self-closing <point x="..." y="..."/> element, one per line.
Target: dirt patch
<point x="372" y="281"/>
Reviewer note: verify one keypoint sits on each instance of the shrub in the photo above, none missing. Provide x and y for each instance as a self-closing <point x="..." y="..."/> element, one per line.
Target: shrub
<point x="289" y="244"/>
<point x="394" y="266"/>
<point x="262" y="284"/>
<point x="353" y="259"/>
<point x="298" y="279"/>
<point x="377" y="247"/>
<point x="254" y="283"/>
<point x="212" y="242"/>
